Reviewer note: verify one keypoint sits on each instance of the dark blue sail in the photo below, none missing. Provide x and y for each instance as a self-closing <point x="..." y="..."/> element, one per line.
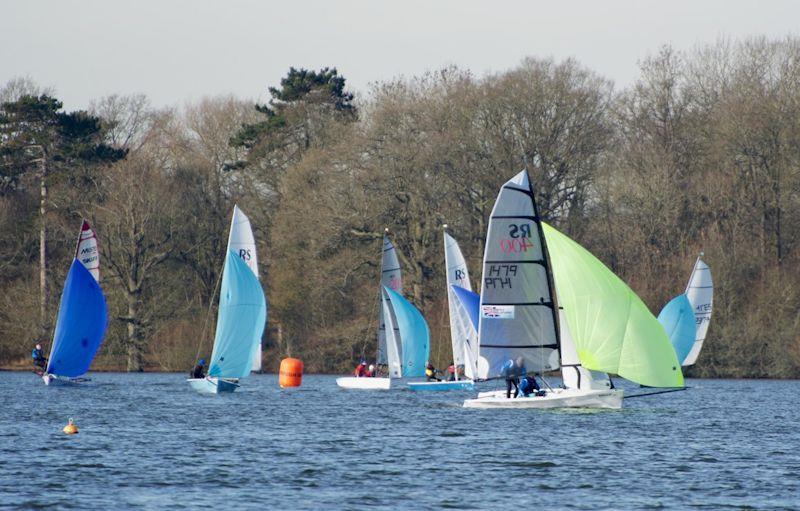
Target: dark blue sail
<point x="81" y="324"/>
<point x="471" y="302"/>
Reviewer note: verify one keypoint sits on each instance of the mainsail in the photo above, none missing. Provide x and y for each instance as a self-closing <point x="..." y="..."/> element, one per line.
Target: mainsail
<point x="391" y="277"/>
<point x="240" y="321"/>
<point x="700" y="292"/>
<point x="678" y="321"/>
<point x="463" y="336"/>
<point x="242" y="243"/>
<point x="518" y="316"/>
<point x="392" y="339"/>
<point x="81" y="324"/>
<point x="414" y="334"/>
<point x="612" y="329"/>
<point x="86" y="251"/>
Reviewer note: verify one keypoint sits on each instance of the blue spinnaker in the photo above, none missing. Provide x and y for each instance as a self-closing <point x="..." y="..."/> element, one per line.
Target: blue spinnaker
<point x="471" y="302"/>
<point x="414" y="335"/>
<point x="240" y="321"/>
<point x="677" y="318"/>
<point x="81" y="324"/>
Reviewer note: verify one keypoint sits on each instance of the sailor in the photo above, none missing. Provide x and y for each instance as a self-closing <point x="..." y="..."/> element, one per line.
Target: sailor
<point x="361" y="369"/>
<point x="370" y="371"/>
<point x="529" y="386"/>
<point x="39" y="360"/>
<point x="513" y="370"/>
<point x="199" y="370"/>
<point x="430" y="372"/>
<point x="451" y="372"/>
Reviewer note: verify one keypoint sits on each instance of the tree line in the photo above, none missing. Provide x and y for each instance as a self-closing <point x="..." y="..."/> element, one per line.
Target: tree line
<point x="700" y="154"/>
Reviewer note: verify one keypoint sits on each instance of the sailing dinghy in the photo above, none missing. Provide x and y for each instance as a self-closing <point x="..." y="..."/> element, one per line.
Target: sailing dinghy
<point x="241" y="317"/>
<point x="463" y="335"/>
<point x="82" y="316"/>
<point x="403" y="334"/>
<point x="546" y="299"/>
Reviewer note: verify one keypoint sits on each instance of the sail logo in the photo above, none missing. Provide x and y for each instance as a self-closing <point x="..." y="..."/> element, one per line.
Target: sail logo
<point x="460" y="275"/>
<point x="88" y="250"/>
<point x="519" y="239"/>
<point x="497" y="311"/>
<point x="244" y="254"/>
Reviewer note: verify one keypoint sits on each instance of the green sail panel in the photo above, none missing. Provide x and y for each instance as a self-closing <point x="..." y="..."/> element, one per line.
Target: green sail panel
<point x="613" y="330"/>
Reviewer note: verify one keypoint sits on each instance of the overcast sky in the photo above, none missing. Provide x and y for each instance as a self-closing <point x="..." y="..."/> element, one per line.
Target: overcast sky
<point x="175" y="51"/>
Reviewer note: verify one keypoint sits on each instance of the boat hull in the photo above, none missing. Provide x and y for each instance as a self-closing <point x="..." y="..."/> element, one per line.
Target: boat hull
<point x="53" y="380"/>
<point x="439" y="386"/>
<point x="555" y="398"/>
<point x="364" y="383"/>
<point x="209" y="385"/>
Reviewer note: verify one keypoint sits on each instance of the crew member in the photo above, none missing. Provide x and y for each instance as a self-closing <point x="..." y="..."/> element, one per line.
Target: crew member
<point x="199" y="370"/>
<point x="430" y="372"/>
<point x="361" y="369"/>
<point x="513" y="370"/>
<point x="529" y="386"/>
<point x="39" y="360"/>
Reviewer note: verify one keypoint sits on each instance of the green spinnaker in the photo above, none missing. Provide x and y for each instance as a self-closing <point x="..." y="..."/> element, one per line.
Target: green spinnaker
<point x="613" y="329"/>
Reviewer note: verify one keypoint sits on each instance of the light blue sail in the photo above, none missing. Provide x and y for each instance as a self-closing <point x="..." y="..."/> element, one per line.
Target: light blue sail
<point x="414" y="335"/>
<point x="471" y="302"/>
<point x="677" y="318"/>
<point x="240" y="322"/>
<point x="81" y="324"/>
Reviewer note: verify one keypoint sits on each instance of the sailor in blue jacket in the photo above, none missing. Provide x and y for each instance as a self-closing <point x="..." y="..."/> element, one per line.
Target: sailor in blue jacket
<point x="513" y="370"/>
<point x="39" y="360"/>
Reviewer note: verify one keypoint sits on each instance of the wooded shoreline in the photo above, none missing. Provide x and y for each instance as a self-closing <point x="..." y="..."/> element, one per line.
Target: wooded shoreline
<point x="700" y="154"/>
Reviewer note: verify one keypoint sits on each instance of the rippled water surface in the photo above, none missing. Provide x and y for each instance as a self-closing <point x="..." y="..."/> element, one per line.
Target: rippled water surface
<point x="148" y="441"/>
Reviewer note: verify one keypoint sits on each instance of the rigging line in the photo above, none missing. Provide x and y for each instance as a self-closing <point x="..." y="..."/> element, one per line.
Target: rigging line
<point x="208" y="314"/>
<point x="666" y="391"/>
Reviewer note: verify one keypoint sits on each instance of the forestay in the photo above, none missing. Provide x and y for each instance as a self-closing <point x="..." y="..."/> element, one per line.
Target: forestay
<point x="81" y="324"/>
<point x="463" y="337"/>
<point x="414" y="334"/>
<point x="242" y="242"/>
<point x="612" y="329"/>
<point x="678" y="321"/>
<point x="390" y="277"/>
<point x="86" y="251"/>
<point x="240" y="321"/>
<point x="700" y="292"/>
<point x="518" y="318"/>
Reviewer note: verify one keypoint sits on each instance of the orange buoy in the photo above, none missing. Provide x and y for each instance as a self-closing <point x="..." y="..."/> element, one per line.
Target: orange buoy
<point x="291" y="373"/>
<point x="70" y="428"/>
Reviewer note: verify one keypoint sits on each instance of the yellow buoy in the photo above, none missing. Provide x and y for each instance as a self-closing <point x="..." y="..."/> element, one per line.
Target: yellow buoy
<point x="70" y="428"/>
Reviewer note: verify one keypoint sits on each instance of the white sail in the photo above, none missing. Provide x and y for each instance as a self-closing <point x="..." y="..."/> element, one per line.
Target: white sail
<point x="391" y="277"/>
<point x="700" y="292"/>
<point x="517" y="314"/>
<point x="242" y="243"/>
<point x="86" y="251"/>
<point x="463" y="336"/>
<point x="393" y="346"/>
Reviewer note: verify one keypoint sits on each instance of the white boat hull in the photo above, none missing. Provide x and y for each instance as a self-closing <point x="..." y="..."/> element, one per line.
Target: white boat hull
<point x="441" y="385"/>
<point x="53" y="380"/>
<point x="364" y="383"/>
<point x="554" y="398"/>
<point x="210" y="385"/>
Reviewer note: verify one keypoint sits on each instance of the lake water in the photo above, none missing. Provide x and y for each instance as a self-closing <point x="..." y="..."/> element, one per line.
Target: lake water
<point x="147" y="441"/>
